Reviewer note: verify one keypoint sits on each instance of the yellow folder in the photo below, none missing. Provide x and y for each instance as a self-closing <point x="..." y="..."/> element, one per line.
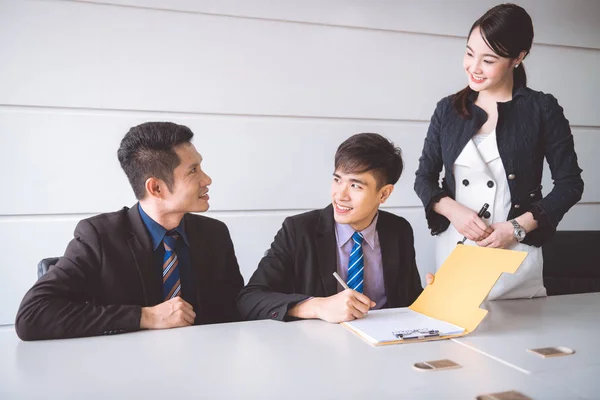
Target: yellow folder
<point x="461" y="284"/>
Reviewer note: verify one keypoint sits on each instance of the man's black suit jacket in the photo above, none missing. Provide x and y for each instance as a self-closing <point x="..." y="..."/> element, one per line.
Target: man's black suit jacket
<point x="108" y="274"/>
<point x="303" y="257"/>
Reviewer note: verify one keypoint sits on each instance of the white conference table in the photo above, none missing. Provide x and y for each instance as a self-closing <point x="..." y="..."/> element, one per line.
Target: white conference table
<point x="267" y="360"/>
<point x="513" y="326"/>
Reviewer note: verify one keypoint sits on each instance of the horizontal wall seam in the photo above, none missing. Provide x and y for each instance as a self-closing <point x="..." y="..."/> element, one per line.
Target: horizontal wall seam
<point x="137" y="113"/>
<point x="216" y="213"/>
<point x="331" y="25"/>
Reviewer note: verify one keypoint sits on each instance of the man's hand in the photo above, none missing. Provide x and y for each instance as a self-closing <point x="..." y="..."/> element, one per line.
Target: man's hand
<point x="341" y="307"/>
<point x="344" y="306"/>
<point x="172" y="313"/>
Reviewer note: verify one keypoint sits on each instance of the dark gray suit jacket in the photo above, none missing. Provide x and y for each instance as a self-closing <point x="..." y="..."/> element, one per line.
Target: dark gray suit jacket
<point x="108" y="274"/>
<point x="303" y="257"/>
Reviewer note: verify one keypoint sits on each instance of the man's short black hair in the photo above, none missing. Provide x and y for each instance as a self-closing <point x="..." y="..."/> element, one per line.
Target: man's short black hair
<point x="370" y="152"/>
<point x="147" y="150"/>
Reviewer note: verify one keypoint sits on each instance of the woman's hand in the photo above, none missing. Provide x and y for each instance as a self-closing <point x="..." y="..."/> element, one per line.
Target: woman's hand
<point x="502" y="237"/>
<point x="465" y="220"/>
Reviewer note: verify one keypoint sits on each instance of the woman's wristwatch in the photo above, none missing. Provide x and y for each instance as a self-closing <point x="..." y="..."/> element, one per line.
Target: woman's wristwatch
<point x="519" y="231"/>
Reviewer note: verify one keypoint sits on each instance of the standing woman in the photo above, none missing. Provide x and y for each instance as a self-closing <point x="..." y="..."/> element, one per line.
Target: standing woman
<point x="491" y="138"/>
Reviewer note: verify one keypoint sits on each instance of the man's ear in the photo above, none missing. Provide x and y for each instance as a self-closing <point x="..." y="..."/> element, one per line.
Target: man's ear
<point x="155" y="187"/>
<point x="385" y="192"/>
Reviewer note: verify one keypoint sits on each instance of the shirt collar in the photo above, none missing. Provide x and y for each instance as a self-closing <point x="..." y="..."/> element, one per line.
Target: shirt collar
<point x="158" y="232"/>
<point x="344" y="232"/>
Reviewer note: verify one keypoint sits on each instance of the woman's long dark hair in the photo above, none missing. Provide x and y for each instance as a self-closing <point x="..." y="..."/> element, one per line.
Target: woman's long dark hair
<point x="508" y="30"/>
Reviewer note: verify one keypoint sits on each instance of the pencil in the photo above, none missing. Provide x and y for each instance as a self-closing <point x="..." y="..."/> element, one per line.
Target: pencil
<point x="340" y="280"/>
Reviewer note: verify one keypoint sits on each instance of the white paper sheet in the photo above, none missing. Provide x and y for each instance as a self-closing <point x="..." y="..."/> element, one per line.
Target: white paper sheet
<point x="377" y="326"/>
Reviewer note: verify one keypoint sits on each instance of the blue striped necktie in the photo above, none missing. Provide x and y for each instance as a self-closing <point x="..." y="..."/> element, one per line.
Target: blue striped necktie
<point x="356" y="264"/>
<point x="171" y="283"/>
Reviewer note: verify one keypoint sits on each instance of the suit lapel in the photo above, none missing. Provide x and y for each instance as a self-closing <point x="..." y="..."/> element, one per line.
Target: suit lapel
<point x="199" y="251"/>
<point x="470" y="155"/>
<point x="472" y="158"/>
<point x="489" y="149"/>
<point x="141" y="248"/>
<point x="327" y="250"/>
<point x="389" y="242"/>
<point x="469" y="129"/>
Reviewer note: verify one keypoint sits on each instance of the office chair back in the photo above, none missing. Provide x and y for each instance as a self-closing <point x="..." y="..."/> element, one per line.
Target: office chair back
<point x="572" y="262"/>
<point x="44" y="265"/>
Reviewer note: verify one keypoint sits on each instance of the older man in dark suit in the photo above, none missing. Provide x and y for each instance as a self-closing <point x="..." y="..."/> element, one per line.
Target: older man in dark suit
<point x="372" y="250"/>
<point x="152" y="266"/>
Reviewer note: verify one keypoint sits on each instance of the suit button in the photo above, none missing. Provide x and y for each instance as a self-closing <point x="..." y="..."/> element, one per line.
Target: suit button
<point x="490" y="184"/>
<point x="531" y="194"/>
<point x="511" y="176"/>
<point x="517" y="206"/>
<point x="465" y="182"/>
<point x="274" y="315"/>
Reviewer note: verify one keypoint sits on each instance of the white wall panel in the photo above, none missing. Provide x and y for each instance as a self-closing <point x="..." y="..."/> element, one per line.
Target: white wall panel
<point x="25" y="241"/>
<point x="66" y="162"/>
<point x="269" y="101"/>
<point x="97" y="56"/>
<point x="571" y="23"/>
<point x="33" y="238"/>
<point x="149" y="60"/>
<point x="571" y="76"/>
<point x="582" y="217"/>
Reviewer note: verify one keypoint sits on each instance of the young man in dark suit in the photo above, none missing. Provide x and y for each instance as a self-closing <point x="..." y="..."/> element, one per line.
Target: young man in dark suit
<point x="152" y="266"/>
<point x="372" y="250"/>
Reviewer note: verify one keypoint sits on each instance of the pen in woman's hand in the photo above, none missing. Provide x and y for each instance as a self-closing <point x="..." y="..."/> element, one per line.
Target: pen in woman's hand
<point x="480" y="214"/>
